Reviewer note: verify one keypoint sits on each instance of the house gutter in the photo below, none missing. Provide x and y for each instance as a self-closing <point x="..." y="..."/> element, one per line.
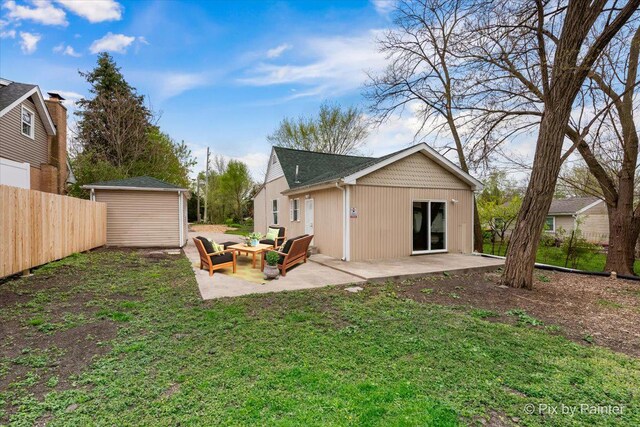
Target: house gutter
<point x="345" y="221"/>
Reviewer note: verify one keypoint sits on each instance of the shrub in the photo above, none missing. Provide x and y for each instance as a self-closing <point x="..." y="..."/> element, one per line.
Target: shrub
<point x="272" y="258"/>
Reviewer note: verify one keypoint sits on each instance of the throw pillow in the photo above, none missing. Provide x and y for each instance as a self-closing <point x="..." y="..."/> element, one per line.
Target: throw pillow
<point x="272" y="234"/>
<point x="216" y="247"/>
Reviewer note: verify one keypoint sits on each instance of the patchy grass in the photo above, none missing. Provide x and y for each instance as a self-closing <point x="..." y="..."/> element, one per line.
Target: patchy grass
<point x="158" y="355"/>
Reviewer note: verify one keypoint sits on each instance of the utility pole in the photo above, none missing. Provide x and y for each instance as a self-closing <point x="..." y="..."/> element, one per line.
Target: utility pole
<point x="206" y="186"/>
<point x="198" y="197"/>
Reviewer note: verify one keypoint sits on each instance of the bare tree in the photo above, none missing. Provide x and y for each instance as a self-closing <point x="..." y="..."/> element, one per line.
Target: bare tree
<point x="609" y="146"/>
<point x="423" y="71"/>
<point x="334" y="130"/>
<point x="531" y="60"/>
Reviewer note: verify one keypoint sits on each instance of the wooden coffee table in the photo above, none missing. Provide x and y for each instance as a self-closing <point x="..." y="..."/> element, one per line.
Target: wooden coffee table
<point x="253" y="250"/>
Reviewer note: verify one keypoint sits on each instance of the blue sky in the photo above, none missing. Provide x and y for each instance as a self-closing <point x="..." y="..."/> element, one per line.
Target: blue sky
<point x="219" y="73"/>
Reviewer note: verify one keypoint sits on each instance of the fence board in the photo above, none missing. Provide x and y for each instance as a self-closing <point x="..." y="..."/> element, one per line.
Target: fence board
<point x="37" y="228"/>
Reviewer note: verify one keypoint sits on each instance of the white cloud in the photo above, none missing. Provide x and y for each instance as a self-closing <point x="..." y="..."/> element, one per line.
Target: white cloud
<point x="66" y="50"/>
<point x="10" y="34"/>
<point x="42" y="12"/>
<point x="29" y="42"/>
<point x="278" y="50"/>
<point x="112" y="43"/>
<point x="171" y="84"/>
<point x="384" y="7"/>
<point x="94" y="10"/>
<point x="339" y="65"/>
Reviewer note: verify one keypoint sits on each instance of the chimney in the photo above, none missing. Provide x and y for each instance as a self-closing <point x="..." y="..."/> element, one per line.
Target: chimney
<point x="58" y="151"/>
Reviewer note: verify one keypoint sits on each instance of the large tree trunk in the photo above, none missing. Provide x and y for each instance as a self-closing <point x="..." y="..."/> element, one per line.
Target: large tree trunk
<point x="521" y="255"/>
<point x="623" y="234"/>
<point x="478" y="237"/>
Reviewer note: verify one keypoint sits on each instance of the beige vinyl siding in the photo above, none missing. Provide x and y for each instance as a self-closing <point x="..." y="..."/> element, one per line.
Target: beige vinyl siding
<point x="259" y="216"/>
<point x="327" y="220"/>
<point x="141" y="218"/>
<point x="416" y="171"/>
<point x="565" y="221"/>
<point x="384" y="227"/>
<point x="263" y="213"/>
<point x="18" y="147"/>
<point x="595" y="224"/>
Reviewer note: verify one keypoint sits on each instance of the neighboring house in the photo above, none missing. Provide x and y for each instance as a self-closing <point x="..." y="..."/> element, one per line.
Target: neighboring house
<point x="143" y="212"/>
<point x="413" y="201"/>
<point x="33" y="138"/>
<point x="587" y="213"/>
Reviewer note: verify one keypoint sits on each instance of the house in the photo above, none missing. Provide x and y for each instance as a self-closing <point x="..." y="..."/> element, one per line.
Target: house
<point x="33" y="138"/>
<point x="413" y="201"/>
<point x="143" y="212"/>
<point x="589" y="214"/>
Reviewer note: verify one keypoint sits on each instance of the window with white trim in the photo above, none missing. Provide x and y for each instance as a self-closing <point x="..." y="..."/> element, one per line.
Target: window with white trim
<point x="27" y="119"/>
<point x="294" y="210"/>
<point x="274" y="208"/>
<point x="550" y="224"/>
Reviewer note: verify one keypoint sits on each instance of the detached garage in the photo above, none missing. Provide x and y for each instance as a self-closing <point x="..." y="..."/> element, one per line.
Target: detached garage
<point x="143" y="212"/>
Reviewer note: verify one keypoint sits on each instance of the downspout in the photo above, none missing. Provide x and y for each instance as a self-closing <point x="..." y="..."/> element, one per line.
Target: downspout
<point x="473" y="218"/>
<point x="181" y="218"/>
<point x="345" y="221"/>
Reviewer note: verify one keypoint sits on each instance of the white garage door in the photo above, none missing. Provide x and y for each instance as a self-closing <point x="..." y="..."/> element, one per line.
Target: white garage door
<point x="14" y="174"/>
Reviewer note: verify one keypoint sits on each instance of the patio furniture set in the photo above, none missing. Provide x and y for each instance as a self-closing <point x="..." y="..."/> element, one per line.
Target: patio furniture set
<point x="291" y="252"/>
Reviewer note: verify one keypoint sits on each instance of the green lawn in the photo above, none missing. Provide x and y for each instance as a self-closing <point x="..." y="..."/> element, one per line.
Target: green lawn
<point x="316" y="357"/>
<point x="554" y="256"/>
<point x="241" y="230"/>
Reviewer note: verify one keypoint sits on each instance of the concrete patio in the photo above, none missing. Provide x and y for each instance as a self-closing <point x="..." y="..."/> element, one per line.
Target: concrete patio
<point x="322" y="270"/>
<point x="409" y="267"/>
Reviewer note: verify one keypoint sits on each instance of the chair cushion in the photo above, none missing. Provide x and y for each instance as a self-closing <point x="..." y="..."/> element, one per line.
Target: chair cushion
<point x="227" y="244"/>
<point x="268" y="242"/>
<point x="208" y="247"/>
<point x="288" y="243"/>
<point x="221" y="259"/>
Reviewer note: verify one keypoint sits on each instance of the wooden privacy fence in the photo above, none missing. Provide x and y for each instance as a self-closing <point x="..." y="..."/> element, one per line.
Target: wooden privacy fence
<point x="37" y="228"/>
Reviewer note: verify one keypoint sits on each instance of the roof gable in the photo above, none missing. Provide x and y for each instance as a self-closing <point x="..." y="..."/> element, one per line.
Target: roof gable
<point x="315" y="168"/>
<point x="415" y="170"/>
<point x="13" y="94"/>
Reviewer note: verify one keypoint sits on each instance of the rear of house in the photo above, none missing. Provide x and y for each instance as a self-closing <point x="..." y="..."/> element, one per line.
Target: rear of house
<point x="143" y="212"/>
<point x="410" y="202"/>
<point x="588" y="214"/>
<point x="33" y="139"/>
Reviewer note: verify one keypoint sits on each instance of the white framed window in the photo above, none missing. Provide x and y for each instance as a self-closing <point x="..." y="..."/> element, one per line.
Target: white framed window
<point x="27" y="122"/>
<point x="274" y="210"/>
<point x="294" y="210"/>
<point x="550" y="224"/>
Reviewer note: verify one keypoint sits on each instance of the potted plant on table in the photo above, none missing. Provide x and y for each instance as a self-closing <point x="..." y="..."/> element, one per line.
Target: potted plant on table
<point x="253" y="239"/>
<point x="271" y="265"/>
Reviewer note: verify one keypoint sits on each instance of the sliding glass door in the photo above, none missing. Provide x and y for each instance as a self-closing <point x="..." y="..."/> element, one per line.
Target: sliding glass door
<point x="429" y="226"/>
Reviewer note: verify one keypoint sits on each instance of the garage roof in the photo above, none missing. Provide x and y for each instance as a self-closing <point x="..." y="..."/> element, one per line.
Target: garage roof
<point x="135" y="183"/>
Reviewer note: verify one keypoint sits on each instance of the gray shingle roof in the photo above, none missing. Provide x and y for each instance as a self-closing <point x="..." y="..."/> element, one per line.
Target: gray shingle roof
<point x="138" y="181"/>
<point x="316" y="168"/>
<point x="571" y="205"/>
<point x="12" y="92"/>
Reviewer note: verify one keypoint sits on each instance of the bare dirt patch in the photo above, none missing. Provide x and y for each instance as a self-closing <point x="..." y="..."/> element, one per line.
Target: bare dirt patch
<point x="587" y="309"/>
<point x="211" y="228"/>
